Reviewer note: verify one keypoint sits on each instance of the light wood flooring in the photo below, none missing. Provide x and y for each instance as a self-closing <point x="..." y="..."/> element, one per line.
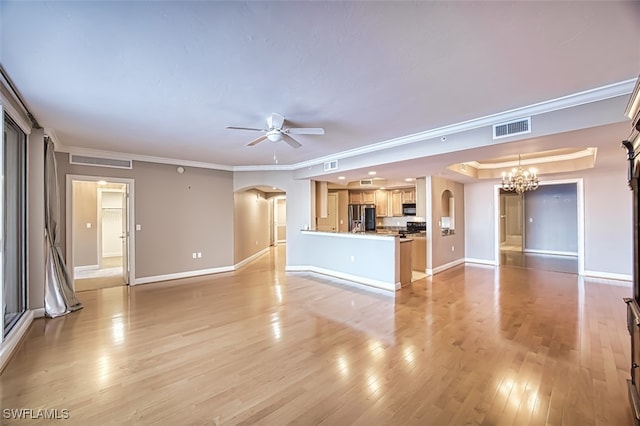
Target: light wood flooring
<point x="472" y="345"/>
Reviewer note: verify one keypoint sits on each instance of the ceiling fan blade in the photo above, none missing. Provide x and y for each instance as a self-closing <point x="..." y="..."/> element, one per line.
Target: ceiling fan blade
<point x="245" y="128"/>
<point x="305" y="131"/>
<point x="257" y="141"/>
<point x="291" y="141"/>
<point x="276" y="121"/>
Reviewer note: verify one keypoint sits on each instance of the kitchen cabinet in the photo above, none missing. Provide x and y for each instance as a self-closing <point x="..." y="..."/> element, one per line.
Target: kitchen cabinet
<point x="396" y="203"/>
<point x="355" y="197"/>
<point x="362" y="197"/>
<point x="382" y="203"/>
<point x="409" y="195"/>
<point x="369" y="197"/>
<point x="419" y="254"/>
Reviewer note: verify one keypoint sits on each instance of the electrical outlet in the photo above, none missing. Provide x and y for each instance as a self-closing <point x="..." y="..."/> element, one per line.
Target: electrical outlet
<point x="138" y="227"/>
<point x="353" y="259"/>
<point x="194" y="255"/>
<point x="199" y="255"/>
<point x="453" y="248"/>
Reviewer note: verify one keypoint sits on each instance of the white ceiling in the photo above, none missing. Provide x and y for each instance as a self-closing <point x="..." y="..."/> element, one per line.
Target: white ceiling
<point x="163" y="79"/>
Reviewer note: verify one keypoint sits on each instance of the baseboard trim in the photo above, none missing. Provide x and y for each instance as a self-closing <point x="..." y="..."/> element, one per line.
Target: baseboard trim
<point x="10" y="344"/>
<point x="481" y="261"/>
<point x="251" y="258"/>
<point x="179" y="275"/>
<point x="608" y="276"/>
<point x="347" y="277"/>
<point x="86" y="268"/>
<point x="551" y="252"/>
<point x="445" y="266"/>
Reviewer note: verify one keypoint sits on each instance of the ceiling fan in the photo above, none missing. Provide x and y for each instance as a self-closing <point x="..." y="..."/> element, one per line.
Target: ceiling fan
<point x="276" y="131"/>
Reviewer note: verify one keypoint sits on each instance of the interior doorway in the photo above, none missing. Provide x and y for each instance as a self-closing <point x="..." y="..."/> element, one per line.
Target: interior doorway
<point x="542" y="229"/>
<point x="98" y="227"/>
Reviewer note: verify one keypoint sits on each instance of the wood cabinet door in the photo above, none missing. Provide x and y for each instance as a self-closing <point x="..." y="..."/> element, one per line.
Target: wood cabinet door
<point x="355" y="197"/>
<point x="382" y="203"/>
<point x="396" y="203"/>
<point x="369" y="197"/>
<point x="408" y="195"/>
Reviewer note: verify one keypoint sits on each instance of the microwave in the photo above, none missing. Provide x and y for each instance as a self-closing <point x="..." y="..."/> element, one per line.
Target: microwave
<point x="409" y="209"/>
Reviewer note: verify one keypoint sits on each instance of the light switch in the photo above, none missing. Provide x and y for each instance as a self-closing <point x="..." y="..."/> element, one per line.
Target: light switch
<point x="138" y="227"/>
<point x="88" y="225"/>
<point x="530" y="220"/>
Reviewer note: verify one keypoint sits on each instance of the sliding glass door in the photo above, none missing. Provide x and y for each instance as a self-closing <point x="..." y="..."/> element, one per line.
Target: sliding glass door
<point x="13" y="218"/>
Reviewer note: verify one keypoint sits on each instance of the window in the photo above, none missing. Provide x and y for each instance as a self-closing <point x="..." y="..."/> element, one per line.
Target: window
<point x="13" y="219"/>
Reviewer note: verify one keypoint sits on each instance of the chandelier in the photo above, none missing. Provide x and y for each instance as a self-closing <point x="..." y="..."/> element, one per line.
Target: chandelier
<point x="520" y="180"/>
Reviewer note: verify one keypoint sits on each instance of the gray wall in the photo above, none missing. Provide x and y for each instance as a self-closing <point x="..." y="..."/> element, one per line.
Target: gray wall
<point x="179" y="214"/>
<point x="251" y="224"/>
<point x="607" y="220"/>
<point x="85" y="211"/>
<point x="551" y="218"/>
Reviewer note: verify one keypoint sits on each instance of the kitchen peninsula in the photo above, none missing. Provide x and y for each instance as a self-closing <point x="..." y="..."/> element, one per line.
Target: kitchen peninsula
<point x="377" y="260"/>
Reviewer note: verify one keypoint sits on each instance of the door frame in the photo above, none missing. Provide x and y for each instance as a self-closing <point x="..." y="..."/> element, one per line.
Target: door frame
<point x="580" y="218"/>
<point x="69" y="221"/>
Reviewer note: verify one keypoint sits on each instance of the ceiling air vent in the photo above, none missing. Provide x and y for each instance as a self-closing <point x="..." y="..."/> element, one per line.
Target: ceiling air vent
<point x="512" y="128"/>
<point x="330" y="165"/>
<point x="86" y="160"/>
<point x="366" y="182"/>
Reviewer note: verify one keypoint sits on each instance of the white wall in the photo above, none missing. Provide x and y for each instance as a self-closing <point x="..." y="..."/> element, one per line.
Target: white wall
<point x="608" y="221"/>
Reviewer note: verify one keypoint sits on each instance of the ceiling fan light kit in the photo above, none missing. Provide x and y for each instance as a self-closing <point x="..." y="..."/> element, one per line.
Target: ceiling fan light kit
<point x="276" y="131"/>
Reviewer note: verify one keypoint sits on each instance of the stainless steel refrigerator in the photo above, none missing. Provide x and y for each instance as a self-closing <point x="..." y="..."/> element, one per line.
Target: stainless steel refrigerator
<point x="362" y="217"/>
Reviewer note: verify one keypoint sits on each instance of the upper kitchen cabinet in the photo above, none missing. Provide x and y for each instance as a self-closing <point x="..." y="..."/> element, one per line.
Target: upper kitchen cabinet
<point x="409" y="195"/>
<point x="362" y="197"/>
<point x="369" y="197"/>
<point x="382" y="203"/>
<point x="355" y="197"/>
<point x="396" y="203"/>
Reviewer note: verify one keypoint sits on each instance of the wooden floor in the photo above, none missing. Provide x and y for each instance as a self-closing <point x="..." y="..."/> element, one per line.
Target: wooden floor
<point x="472" y="345"/>
<point x="545" y="262"/>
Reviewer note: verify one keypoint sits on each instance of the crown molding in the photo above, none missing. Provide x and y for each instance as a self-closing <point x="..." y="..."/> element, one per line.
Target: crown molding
<point x="588" y="96"/>
<point x="146" y="158"/>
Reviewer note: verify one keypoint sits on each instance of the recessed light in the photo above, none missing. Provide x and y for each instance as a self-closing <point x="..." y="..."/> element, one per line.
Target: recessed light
<point x="102" y="182"/>
<point x="383" y="187"/>
<point x="372" y="173"/>
<point x="341" y="178"/>
<point x="408" y="180"/>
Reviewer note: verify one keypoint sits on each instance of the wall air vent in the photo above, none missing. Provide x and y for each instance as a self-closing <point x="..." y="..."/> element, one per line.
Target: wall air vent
<point x="512" y="128"/>
<point x="330" y="165"/>
<point x="366" y="182"/>
<point x="86" y="160"/>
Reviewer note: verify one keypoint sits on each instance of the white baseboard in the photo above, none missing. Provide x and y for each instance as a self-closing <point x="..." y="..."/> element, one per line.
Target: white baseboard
<point x="347" y="277"/>
<point x="445" y="266"/>
<point x="179" y="275"/>
<point x="251" y="258"/>
<point x="480" y="261"/>
<point x="551" y="252"/>
<point x="86" y="268"/>
<point x="11" y="342"/>
<point x="608" y="276"/>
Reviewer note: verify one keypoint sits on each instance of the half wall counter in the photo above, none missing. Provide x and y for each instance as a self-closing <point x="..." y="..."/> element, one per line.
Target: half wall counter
<point x="372" y="259"/>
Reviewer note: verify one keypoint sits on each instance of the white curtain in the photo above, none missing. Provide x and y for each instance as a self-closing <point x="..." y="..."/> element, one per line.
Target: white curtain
<point x="59" y="298"/>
